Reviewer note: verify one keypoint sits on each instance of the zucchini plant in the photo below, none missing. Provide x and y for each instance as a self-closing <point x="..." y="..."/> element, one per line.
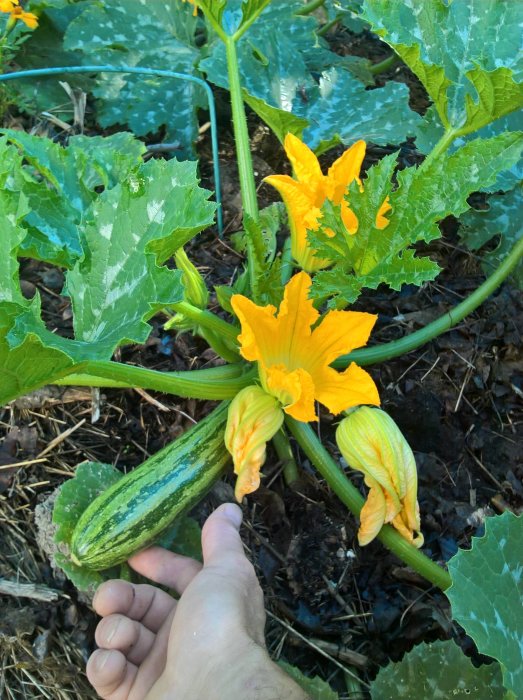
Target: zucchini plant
<point x="114" y="221"/>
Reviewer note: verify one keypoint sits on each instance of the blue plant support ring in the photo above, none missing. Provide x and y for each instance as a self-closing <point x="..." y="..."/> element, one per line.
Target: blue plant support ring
<point x="146" y="71"/>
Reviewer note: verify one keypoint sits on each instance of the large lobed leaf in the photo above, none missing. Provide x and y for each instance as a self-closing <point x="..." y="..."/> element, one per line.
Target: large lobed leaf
<point x="292" y="81"/>
<point x="424" y="196"/>
<point x="437" y="670"/>
<point x="466" y="54"/>
<point x="503" y="219"/>
<point x="487" y="594"/>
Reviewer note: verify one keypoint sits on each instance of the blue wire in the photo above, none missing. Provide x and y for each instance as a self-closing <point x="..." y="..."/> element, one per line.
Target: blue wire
<point x="146" y="71"/>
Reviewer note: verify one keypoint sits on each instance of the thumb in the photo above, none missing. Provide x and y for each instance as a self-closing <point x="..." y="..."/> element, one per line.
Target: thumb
<point x="220" y="536"/>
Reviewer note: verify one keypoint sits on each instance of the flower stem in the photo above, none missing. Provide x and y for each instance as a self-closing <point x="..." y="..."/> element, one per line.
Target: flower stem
<point x="207" y="319"/>
<point x="284" y="451"/>
<point x="241" y="133"/>
<point x="384" y="65"/>
<point x="309" y="7"/>
<point x="351" y="497"/>
<point x="380" y="353"/>
<point x="215" y="383"/>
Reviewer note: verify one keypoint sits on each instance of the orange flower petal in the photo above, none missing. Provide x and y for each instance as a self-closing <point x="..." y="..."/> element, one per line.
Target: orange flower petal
<point x="342" y="390"/>
<point x="295" y="390"/>
<point x="381" y="221"/>
<point x="340" y="332"/>
<point x="372" y="516"/>
<point x="346" y="169"/>
<point x="259" y="327"/>
<point x="303" y="161"/>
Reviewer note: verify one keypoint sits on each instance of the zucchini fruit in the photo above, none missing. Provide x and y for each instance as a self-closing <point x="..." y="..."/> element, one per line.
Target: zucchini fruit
<point x="133" y="512"/>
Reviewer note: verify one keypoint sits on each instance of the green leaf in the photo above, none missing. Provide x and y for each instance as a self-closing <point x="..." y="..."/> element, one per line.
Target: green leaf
<point x="132" y="228"/>
<point x="13" y="208"/>
<point x="278" y="120"/>
<point x="26" y="364"/>
<point x="184" y="536"/>
<point x="424" y="196"/>
<point x="159" y="35"/>
<point x="89" y="481"/>
<point x="344" y="110"/>
<point x="59" y="204"/>
<point x="487" y="594"/>
<point x="502" y="218"/>
<point x="437" y="670"/>
<point x="431" y="130"/>
<point x="471" y="71"/>
<point x="316" y="688"/>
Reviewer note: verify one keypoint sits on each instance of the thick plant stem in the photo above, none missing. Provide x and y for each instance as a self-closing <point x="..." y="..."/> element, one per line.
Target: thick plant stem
<point x="284" y="451"/>
<point x="380" y="353"/>
<point x="309" y="7"/>
<point x="207" y="319"/>
<point x="216" y="383"/>
<point x="442" y="145"/>
<point x="350" y="496"/>
<point x="241" y="133"/>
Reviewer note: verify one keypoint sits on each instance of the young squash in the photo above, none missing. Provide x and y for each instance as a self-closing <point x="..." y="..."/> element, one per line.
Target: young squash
<point x="133" y="512"/>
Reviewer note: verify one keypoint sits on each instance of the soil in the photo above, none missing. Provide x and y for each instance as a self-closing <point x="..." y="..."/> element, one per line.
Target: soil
<point x="456" y="399"/>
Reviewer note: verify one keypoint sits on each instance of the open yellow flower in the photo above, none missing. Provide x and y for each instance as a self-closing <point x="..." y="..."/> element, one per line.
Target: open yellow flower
<point x="293" y="358"/>
<point x="305" y="195"/>
<point x="371" y="442"/>
<point x="17" y="13"/>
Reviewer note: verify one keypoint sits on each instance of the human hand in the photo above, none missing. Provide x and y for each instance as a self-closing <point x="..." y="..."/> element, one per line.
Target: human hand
<point x="208" y="645"/>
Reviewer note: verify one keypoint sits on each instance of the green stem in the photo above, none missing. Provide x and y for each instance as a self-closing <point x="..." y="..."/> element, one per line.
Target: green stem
<point x="215" y="383"/>
<point x="241" y="133"/>
<point x="351" y="497"/>
<point x="384" y="65"/>
<point x="326" y="27"/>
<point x="309" y="7"/>
<point x="284" y="451"/>
<point x="207" y="319"/>
<point x="243" y="28"/>
<point x="442" y="145"/>
<point x="380" y="353"/>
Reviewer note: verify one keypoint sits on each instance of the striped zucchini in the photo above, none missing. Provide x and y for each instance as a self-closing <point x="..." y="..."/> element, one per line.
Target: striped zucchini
<point x="132" y="513"/>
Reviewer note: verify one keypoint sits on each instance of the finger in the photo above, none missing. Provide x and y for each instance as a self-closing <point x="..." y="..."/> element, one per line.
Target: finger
<point x="128" y="636"/>
<point x="221" y="543"/>
<point x="166" y="568"/>
<point x="147" y="604"/>
<point x="110" y="674"/>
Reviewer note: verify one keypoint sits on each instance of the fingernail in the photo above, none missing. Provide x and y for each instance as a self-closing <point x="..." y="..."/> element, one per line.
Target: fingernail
<point x="101" y="659"/>
<point x="233" y="513"/>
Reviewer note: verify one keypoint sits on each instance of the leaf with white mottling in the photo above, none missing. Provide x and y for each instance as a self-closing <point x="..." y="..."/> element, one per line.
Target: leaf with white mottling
<point x="466" y="54"/>
<point x="487" y="594"/>
<point x="438" y="671"/>
<point x="344" y="110"/>
<point x="316" y="688"/>
<point x="131" y="229"/>
<point x="503" y="219"/>
<point x="29" y="363"/>
<point x="158" y="35"/>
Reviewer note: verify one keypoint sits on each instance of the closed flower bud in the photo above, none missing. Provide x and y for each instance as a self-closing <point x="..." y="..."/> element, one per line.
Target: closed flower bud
<point x="196" y="292"/>
<point x="372" y="443"/>
<point x="254" y="418"/>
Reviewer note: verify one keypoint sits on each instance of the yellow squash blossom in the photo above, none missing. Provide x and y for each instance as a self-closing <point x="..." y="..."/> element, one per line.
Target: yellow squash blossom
<point x="17" y="13"/>
<point x="371" y="442"/>
<point x="254" y="418"/>
<point x="305" y="195"/>
<point x="293" y="352"/>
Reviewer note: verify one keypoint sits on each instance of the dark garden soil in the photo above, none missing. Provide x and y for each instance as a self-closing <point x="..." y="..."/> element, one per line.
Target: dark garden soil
<point x="331" y="604"/>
